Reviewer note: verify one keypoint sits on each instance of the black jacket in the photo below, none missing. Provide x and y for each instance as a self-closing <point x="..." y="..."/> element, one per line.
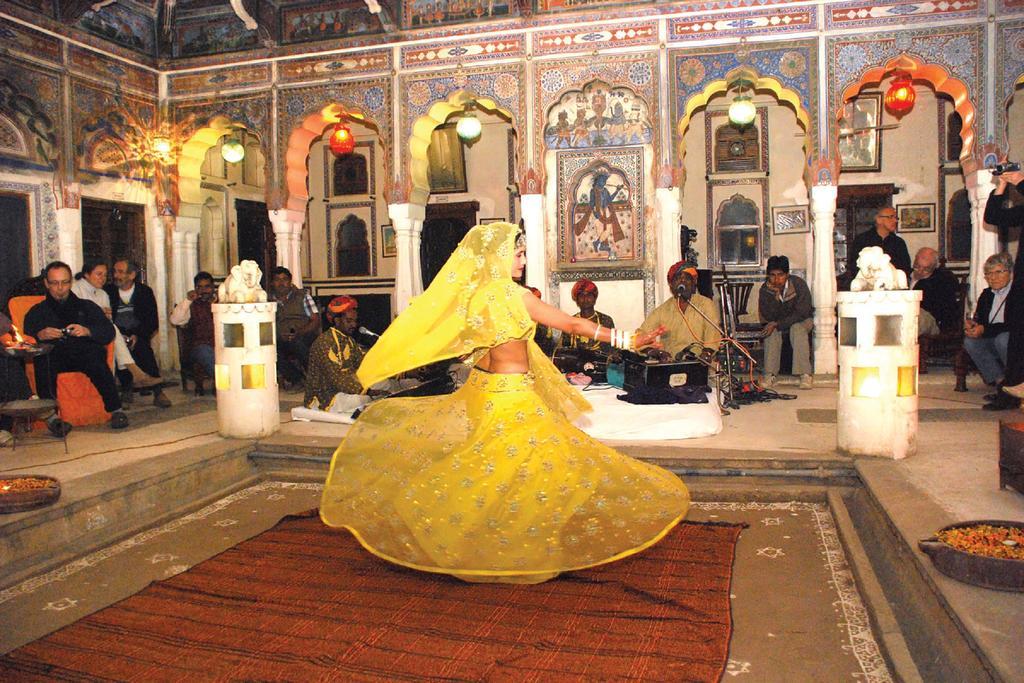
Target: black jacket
<point x="997" y="213"/>
<point x="985" y="308"/>
<point x="51" y="313"/>
<point x="939" y="299"/>
<point x="145" y="309"/>
<point x="893" y="245"/>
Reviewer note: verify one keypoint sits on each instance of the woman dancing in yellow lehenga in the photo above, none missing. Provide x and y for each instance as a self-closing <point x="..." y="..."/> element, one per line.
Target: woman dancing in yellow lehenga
<point x="492" y="482"/>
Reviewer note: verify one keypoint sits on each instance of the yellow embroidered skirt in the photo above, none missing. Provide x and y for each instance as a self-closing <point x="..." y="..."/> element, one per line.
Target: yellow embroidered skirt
<point x="489" y="484"/>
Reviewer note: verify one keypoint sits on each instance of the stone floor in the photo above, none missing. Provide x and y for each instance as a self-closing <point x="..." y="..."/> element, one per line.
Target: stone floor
<point x="953" y="477"/>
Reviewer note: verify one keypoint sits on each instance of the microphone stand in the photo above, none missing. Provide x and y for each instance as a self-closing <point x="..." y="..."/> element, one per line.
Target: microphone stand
<point x="726" y="396"/>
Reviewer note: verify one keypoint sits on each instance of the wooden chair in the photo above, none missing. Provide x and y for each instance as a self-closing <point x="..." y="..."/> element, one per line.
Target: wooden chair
<point x="190" y="371"/>
<point x="947" y="347"/>
<point x="80" y="403"/>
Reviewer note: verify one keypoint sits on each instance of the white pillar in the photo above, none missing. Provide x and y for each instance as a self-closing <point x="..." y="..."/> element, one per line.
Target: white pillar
<point x="408" y="221"/>
<point x="984" y="240"/>
<point x="288" y="239"/>
<point x="69" y="237"/>
<point x="158" y="282"/>
<point x="532" y="208"/>
<point x="670" y="210"/>
<point x="823" y="279"/>
<point x="184" y="256"/>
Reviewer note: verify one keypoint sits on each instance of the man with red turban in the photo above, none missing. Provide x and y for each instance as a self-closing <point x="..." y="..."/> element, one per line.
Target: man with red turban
<point x="584" y="293"/>
<point x="683" y="324"/>
<point x="335" y="356"/>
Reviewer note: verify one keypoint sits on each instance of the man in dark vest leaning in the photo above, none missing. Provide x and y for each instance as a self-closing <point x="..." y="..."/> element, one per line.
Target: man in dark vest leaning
<point x="298" y="324"/>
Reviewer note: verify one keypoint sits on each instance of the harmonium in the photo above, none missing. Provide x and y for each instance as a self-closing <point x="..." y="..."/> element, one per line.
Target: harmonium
<point x="640" y="371"/>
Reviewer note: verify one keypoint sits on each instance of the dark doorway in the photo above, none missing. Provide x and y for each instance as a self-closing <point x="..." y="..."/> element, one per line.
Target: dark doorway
<point x="113" y="231"/>
<point x="256" y="236"/>
<point x="444" y="227"/>
<point x="856" y="206"/>
<point x="16" y="236"/>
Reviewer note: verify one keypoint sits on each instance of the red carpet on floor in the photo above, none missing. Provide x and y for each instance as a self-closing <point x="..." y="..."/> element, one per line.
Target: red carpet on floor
<point x="302" y="602"/>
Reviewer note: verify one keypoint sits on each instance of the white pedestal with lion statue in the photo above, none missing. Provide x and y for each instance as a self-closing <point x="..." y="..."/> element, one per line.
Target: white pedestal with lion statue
<point x="245" y="351"/>
<point x="878" y="360"/>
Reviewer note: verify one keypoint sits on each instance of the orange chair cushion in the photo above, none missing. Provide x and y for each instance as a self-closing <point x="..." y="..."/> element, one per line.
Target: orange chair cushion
<point x="80" y="403"/>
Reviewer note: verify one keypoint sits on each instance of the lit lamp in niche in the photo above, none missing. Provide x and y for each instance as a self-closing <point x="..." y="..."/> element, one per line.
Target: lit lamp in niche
<point x="468" y="128"/>
<point x="878" y="356"/>
<point x="900" y="97"/>
<point x="232" y="151"/>
<point x="341" y="142"/>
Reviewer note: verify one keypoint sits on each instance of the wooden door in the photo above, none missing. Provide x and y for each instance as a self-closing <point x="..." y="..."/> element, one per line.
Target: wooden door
<point x="16" y="236"/>
<point x="255" y="237"/>
<point x="443" y="228"/>
<point x="856" y="206"/>
<point x="112" y="231"/>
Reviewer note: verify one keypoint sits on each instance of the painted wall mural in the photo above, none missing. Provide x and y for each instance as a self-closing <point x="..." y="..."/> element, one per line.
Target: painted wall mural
<point x="96" y="66"/>
<point x="1009" y="68"/>
<point x="570" y="5"/>
<point x="422" y="13"/>
<point x="599" y="115"/>
<point x="859" y="13"/>
<point x="591" y="38"/>
<point x="601" y="202"/>
<point x="249" y="75"/>
<point x="635" y="74"/>
<point x="25" y="40"/>
<point x="104" y="127"/>
<point x="122" y="26"/>
<point x="327" y="21"/>
<point x="31" y="97"/>
<point x="315" y="68"/>
<point x="752" y="23"/>
<point x="212" y="34"/>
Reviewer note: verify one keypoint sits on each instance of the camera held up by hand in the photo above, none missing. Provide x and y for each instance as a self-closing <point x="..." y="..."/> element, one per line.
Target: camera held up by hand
<point x="1006" y="167"/>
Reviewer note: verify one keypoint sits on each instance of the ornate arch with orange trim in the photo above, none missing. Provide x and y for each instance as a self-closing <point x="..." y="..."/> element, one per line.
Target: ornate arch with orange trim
<point x="302" y="137"/>
<point x="936" y="75"/>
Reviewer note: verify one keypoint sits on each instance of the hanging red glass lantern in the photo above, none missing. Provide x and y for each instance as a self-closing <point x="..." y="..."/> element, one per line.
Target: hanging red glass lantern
<point x="899" y="99"/>
<point x="341" y="141"/>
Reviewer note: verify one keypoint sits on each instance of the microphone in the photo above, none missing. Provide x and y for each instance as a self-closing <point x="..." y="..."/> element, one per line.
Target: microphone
<point x="683" y="292"/>
<point x="363" y="330"/>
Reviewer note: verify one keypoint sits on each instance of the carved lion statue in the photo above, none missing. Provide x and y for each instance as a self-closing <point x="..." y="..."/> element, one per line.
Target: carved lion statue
<point x="875" y="272"/>
<point x="242" y="286"/>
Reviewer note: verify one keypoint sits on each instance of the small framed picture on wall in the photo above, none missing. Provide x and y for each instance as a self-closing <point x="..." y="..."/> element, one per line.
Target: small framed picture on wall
<point x="388" y="249"/>
<point x="788" y="220"/>
<point x="916" y="217"/>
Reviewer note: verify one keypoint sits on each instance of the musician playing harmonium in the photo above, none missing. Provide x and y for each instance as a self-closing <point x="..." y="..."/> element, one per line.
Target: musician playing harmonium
<point x="584" y="293"/>
<point x="683" y="324"/>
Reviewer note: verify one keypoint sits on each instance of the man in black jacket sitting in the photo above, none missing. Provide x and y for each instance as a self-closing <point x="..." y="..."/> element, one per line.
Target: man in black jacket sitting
<point x="939" y="310"/>
<point x="79" y="332"/>
<point x="987" y="334"/>
<point x="133" y="309"/>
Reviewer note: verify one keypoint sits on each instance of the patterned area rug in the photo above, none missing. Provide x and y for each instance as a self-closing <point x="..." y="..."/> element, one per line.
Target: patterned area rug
<point x="303" y="602"/>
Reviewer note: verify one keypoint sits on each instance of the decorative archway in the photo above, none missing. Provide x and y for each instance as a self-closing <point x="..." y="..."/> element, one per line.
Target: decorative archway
<point x="193" y="153"/>
<point x="423" y="127"/>
<point x="934" y="74"/>
<point x="787" y="70"/>
<point x="310" y="129"/>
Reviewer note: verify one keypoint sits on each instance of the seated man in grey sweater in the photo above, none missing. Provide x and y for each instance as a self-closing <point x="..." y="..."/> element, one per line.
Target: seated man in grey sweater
<point x="784" y="306"/>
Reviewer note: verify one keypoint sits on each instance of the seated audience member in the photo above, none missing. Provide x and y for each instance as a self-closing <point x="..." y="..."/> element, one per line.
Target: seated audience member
<point x="79" y="332"/>
<point x="784" y="306"/>
<point x="133" y="310"/>
<point x="939" y="309"/>
<point x="584" y="293"/>
<point x="544" y="336"/>
<point x="987" y="334"/>
<point x="999" y="213"/>
<point x="335" y="356"/>
<point x="684" y="326"/>
<point x="884" y="236"/>
<point x="89" y="284"/>
<point x="298" y="323"/>
<point x="196" y="312"/>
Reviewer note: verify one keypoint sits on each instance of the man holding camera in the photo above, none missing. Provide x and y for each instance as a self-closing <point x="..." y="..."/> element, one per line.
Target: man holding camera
<point x="79" y="331"/>
<point x="687" y="317"/>
<point x="997" y="213"/>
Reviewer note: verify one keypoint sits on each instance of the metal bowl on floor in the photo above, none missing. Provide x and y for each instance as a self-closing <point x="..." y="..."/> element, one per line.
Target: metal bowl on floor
<point x="1005" y="574"/>
<point x="20" y="492"/>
